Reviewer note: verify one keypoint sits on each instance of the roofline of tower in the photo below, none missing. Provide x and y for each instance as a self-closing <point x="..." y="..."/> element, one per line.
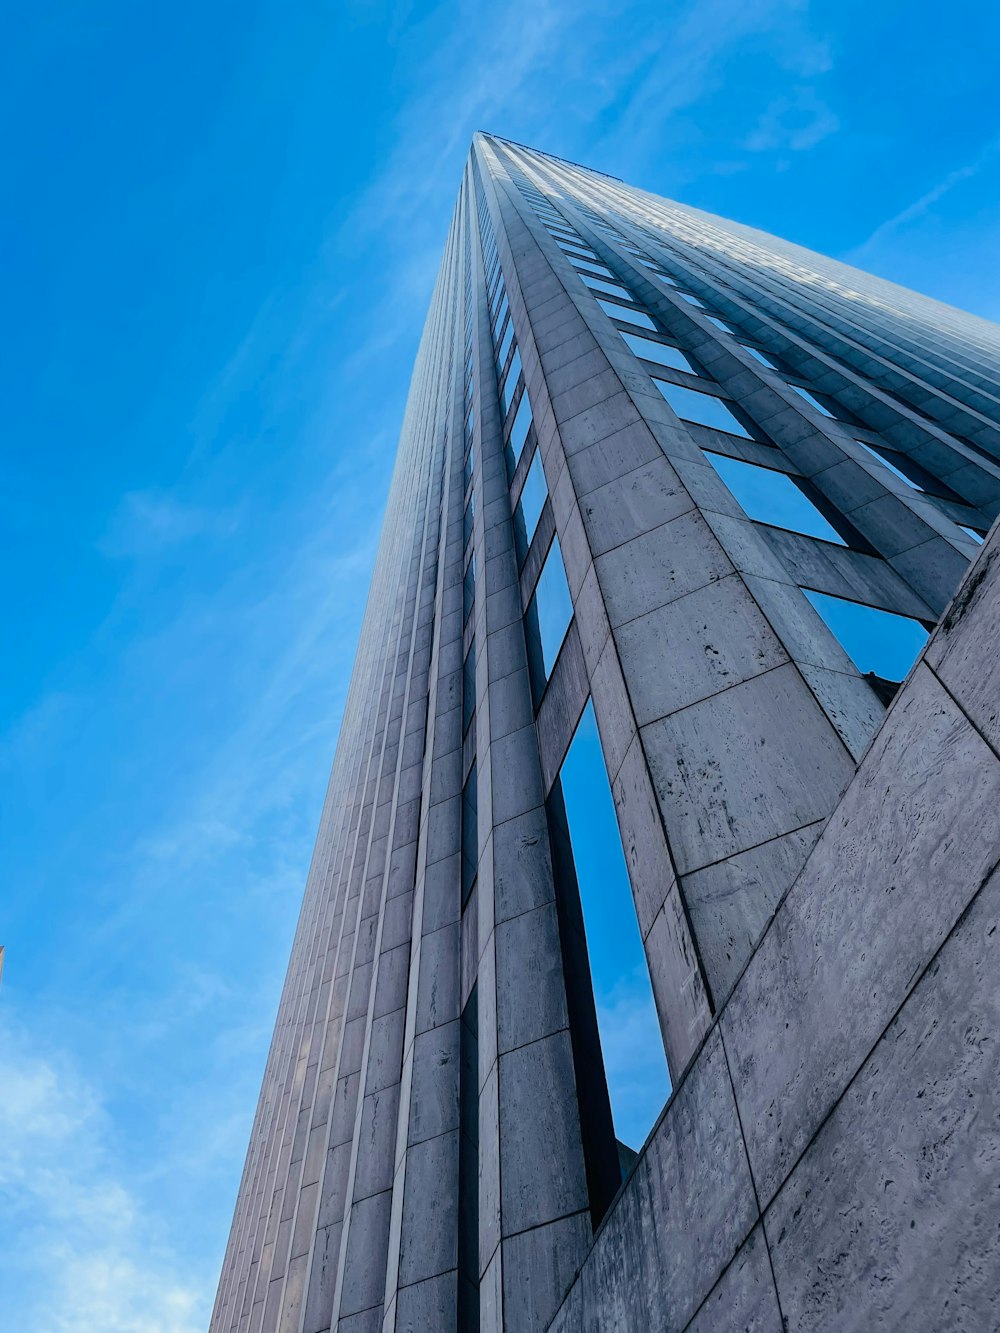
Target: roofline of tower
<point x="578" y="166"/>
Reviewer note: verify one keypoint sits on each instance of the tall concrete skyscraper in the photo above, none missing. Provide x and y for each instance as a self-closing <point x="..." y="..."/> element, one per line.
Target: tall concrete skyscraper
<point x="627" y="783"/>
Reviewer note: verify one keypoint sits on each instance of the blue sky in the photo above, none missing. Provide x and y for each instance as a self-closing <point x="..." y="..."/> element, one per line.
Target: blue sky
<point x="221" y="225"/>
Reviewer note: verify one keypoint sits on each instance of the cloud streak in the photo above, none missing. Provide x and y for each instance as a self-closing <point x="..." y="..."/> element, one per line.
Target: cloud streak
<point x="926" y="202"/>
<point x="104" y="1265"/>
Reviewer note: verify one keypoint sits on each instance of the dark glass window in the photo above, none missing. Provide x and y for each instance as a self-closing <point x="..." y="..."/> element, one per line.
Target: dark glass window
<point x="773" y="497"/>
<point x="469" y="589"/>
<point x="470" y="834"/>
<point x="469" y="687"/>
<point x="631" y="1042"/>
<point x="876" y="641"/>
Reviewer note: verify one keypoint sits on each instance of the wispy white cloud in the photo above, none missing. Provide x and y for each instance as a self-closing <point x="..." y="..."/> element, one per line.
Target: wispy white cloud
<point x="102" y="1263"/>
<point x="926" y="202"/>
<point x="634" y="1062"/>
<point x="794" y="122"/>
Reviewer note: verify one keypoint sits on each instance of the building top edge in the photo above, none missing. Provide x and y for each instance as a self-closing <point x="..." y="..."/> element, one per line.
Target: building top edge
<point x="540" y="152"/>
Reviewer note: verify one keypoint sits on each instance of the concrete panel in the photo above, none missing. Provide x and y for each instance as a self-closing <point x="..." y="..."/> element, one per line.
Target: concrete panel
<point x="731" y="902"/>
<point x="748" y="765"/>
<point x="659" y="567"/>
<point x="683" y="1214"/>
<point x="541" y="1175"/>
<point x="427" y="1305"/>
<point x="531" y="1003"/>
<point x="538" y="1267"/>
<point x="913" y="837"/>
<point x="744" y="1299"/>
<point x="965" y="652"/>
<point x="890" y="1220"/>
<point x="367" y="1247"/>
<point x="430" y="1232"/>
<point x="686" y="651"/>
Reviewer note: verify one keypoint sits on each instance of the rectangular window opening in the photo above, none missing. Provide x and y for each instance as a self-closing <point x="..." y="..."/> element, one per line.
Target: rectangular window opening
<point x="704" y="409"/>
<point x="614" y="1023"/>
<point x="470" y="834"/>
<point x="663" y="354"/>
<point x="510" y="381"/>
<point x="774" y="498"/>
<point x="519" y="429"/>
<point x="879" y="643"/>
<point x="628" y="314"/>
<point x="534" y="493"/>
<point x="547" y="619"/>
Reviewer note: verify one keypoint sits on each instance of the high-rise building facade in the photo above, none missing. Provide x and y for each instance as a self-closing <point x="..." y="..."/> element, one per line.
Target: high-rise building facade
<point x="629" y="809"/>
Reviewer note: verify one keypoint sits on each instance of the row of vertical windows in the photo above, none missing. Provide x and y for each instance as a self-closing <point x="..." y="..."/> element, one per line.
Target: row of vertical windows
<point x="587" y="845"/>
<point x="587" y="851"/>
<point x="877" y="641"/>
<point x="781" y="501"/>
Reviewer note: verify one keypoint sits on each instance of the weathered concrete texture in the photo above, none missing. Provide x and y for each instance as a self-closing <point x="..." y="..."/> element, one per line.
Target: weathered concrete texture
<point x="890" y="1218"/>
<point x="859" y="1048"/>
<point x="681" y="1217"/>
<point x="744" y="1299"/>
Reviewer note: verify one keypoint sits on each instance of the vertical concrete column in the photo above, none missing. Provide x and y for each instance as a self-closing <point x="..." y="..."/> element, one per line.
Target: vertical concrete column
<point x="743" y="761"/>
<point x="534" y="1206"/>
<point x="364" y="1245"/>
<point x="421" y="1272"/>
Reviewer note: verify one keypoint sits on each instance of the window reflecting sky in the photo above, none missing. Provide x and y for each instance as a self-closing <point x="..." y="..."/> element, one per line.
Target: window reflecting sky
<point x="520" y="427"/>
<point x="510" y="383"/>
<point x="627" y="313"/>
<point x="553" y="605"/>
<point x="533" y="497"/>
<point x="634" y="1061"/>
<point x="875" y="640"/>
<point x="662" y="353"/>
<point x="704" y="408"/>
<point x="772" y="497"/>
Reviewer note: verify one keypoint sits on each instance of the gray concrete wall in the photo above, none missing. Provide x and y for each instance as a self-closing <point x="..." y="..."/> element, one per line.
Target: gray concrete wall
<point x="831" y="1158"/>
